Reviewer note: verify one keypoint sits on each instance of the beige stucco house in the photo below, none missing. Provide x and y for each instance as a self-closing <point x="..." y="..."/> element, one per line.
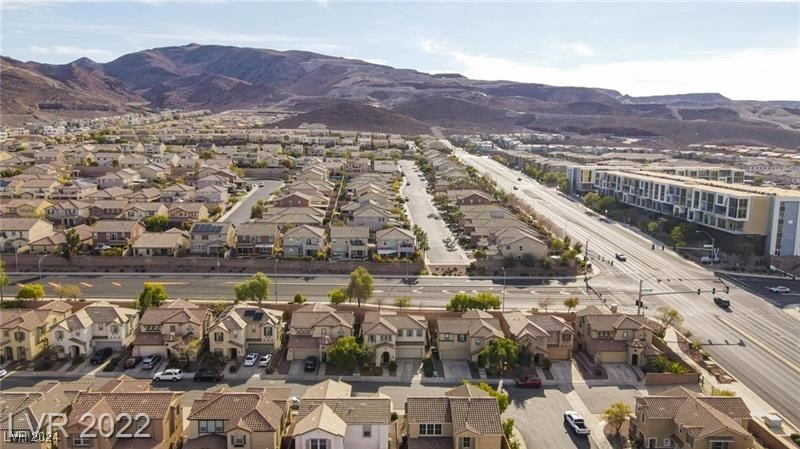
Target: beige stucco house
<point x="245" y="328"/>
<point x="546" y="335"/>
<point x="614" y="337"/>
<point x="394" y="336"/>
<point x="24" y="333"/>
<point x="314" y="328"/>
<point x="168" y="330"/>
<point x="463" y="338"/>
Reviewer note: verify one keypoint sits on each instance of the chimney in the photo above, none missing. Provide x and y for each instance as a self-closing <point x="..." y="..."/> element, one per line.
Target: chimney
<point x="614" y="309"/>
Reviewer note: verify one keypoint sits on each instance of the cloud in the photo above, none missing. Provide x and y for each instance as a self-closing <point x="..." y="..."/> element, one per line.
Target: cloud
<point x="746" y="74"/>
<point x="578" y="49"/>
<point x="76" y="52"/>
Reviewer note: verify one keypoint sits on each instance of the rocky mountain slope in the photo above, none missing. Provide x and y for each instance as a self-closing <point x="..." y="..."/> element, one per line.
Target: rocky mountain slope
<point x="359" y="95"/>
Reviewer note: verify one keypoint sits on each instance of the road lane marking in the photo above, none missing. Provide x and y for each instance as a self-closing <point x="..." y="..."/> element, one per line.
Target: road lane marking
<point x="86" y="284"/>
<point x="377" y="291"/>
<point x="533" y="292"/>
<point x="116" y="284"/>
<point x="761" y="345"/>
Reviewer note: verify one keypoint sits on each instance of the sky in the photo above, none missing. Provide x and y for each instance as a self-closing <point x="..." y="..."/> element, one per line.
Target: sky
<point x="746" y="51"/>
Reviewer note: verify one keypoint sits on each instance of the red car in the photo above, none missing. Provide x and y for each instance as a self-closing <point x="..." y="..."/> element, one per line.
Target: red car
<point x="529" y="382"/>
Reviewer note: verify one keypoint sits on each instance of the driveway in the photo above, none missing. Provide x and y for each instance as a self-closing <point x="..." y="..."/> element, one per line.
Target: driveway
<point x="540" y="420"/>
<point x="456" y="369"/>
<point x="407" y="368"/>
<point x="563" y="373"/>
<point x="297" y="368"/>
<point x="620" y="374"/>
<point x="421" y="212"/>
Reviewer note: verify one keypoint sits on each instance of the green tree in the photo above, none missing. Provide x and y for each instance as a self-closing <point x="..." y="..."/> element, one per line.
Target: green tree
<point x="346" y="353"/>
<point x="667" y="316"/>
<point x="72" y="242"/>
<point x="3" y="279"/>
<point x="360" y="286"/>
<point x="502" y="398"/>
<point x="153" y="295"/>
<point x="254" y="289"/>
<point x="156" y="223"/>
<point x="678" y="235"/>
<point x="69" y="291"/>
<point x="402" y="302"/>
<point x="607" y="202"/>
<point x="617" y="414"/>
<point x="31" y="291"/>
<point x="337" y="296"/>
<point x="500" y="353"/>
<point x="217" y="308"/>
<point x="571" y="303"/>
<point x="257" y="211"/>
<point x="482" y="301"/>
<point x="299" y="299"/>
<point x="592" y="200"/>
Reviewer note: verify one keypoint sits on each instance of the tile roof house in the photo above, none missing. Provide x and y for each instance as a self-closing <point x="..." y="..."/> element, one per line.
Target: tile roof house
<point x="208" y="238"/>
<point x="170" y="328"/>
<point x="98" y="325"/>
<point x="679" y="418"/>
<point x="614" y="338"/>
<point x="349" y="242"/>
<point x="16" y="233"/>
<point x="464" y="337"/>
<point x="180" y="213"/>
<point x="303" y="241"/>
<point x="393" y="336"/>
<point x="177" y="193"/>
<point x="546" y="335"/>
<point x="69" y="212"/>
<point x="343" y="423"/>
<point x="147" y="194"/>
<point x="372" y="217"/>
<point x="142" y="210"/>
<point x="54" y="243"/>
<point x="108" y="209"/>
<point x="116" y="232"/>
<point x="224" y="420"/>
<point x="314" y="328"/>
<point x="24" y="332"/>
<point x="462" y="419"/>
<point x="395" y="242"/>
<point x="243" y="329"/>
<point x="257" y="238"/>
<point x="32" y="208"/>
<point x="469" y="197"/>
<point x="171" y="243"/>
<point x="157" y="419"/>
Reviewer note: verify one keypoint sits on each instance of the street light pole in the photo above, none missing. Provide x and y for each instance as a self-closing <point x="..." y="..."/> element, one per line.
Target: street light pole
<point x="40" y="267"/>
<point x="639" y="301"/>
<point x="504" y="289"/>
<point x="275" y="279"/>
<point x="713" y="245"/>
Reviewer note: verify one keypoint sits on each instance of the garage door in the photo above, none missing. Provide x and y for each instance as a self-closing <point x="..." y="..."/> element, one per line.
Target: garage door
<point x="116" y="345"/>
<point x="301" y="353"/>
<point x="409" y="352"/>
<point x="261" y="348"/>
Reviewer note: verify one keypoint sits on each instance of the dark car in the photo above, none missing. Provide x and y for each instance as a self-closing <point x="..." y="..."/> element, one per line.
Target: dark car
<point x="529" y="382"/>
<point x="132" y="362"/>
<point x="620" y="257"/>
<point x="722" y="302"/>
<point x="311" y="363"/>
<point x="100" y="355"/>
<point x="208" y="375"/>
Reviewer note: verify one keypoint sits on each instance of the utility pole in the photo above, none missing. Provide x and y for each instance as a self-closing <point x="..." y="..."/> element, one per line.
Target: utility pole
<point x="504" y="289"/>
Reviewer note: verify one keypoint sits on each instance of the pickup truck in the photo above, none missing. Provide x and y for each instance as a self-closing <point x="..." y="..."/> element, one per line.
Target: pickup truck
<point x="575" y="421"/>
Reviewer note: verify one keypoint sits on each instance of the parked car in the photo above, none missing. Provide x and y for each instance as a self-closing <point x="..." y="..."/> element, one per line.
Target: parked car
<point x="3" y="372"/>
<point x="516" y="188"/>
<point x="519" y="179"/>
<point x="100" y="355"/>
<point x="208" y="375"/>
<point x="251" y="359"/>
<point x="708" y="259"/>
<point x="576" y="423"/>
<point x="529" y="382"/>
<point x="151" y="361"/>
<point x="132" y="362"/>
<point x="620" y="257"/>
<point x="101" y="247"/>
<point x="264" y="360"/>
<point x="722" y="302"/>
<point x="780" y="289"/>
<point x="173" y="374"/>
<point x="311" y="363"/>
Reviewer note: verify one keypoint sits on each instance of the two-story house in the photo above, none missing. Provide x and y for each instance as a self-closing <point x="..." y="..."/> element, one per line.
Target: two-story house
<point x="16" y="233"/>
<point x="24" y="333"/>
<point x="372" y="217"/>
<point x="257" y="238"/>
<point x="343" y="423"/>
<point x="303" y="240"/>
<point x="177" y="193"/>
<point x="116" y="232"/>
<point x="54" y="243"/>
<point x="98" y="325"/>
<point x="171" y="243"/>
<point x="248" y="420"/>
<point x="108" y="209"/>
<point x="33" y="208"/>
<point x="171" y="328"/>
<point x="349" y="242"/>
<point x="395" y="242"/>
<point x="614" y="337"/>
<point x="680" y="418"/>
<point x="210" y="238"/>
<point x="156" y="419"/>
<point x="545" y="335"/>
<point x="464" y="418"/>
<point x="242" y="329"/>
<point x="314" y="328"/>
<point x="393" y="336"/>
<point x="180" y="213"/>
<point x="69" y="213"/>
<point x="463" y="338"/>
<point x="139" y="211"/>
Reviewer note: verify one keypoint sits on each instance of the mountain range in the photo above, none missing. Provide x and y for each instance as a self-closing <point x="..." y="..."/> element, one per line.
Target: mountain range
<point x="354" y="94"/>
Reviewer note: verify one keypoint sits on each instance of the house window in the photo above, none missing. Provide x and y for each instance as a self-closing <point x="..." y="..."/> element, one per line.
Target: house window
<point x="466" y="442"/>
<point x="218" y="336"/>
<point x="114" y="329"/>
<point x="625" y="334"/>
<point x="59" y="335"/>
<point x="462" y="337"/>
<point x="19" y="335"/>
<point x="100" y="326"/>
<point x="268" y="332"/>
<point x="210" y="426"/>
<point x="667" y="442"/>
<point x="430" y="429"/>
<point x="323" y="331"/>
<point x="172" y="328"/>
<point x="447" y="337"/>
<point x="317" y="444"/>
<point x="366" y="431"/>
<point x="478" y="341"/>
<point x="399" y="332"/>
<point x="651" y="442"/>
<point x="80" y="441"/>
<point x="720" y="445"/>
<point x="419" y="332"/>
<point x="238" y="440"/>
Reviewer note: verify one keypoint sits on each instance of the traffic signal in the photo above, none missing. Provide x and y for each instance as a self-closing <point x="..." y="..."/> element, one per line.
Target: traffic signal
<point x="714" y="290"/>
<point x="727" y="289"/>
<point x="698" y="291"/>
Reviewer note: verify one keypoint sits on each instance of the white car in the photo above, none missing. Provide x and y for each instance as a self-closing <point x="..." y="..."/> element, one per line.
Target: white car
<point x="780" y="289"/>
<point x="173" y="374"/>
<point x="264" y="360"/>
<point x="251" y="358"/>
<point x="3" y="372"/>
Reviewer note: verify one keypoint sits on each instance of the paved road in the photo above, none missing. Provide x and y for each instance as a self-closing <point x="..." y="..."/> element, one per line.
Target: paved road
<point x="540" y="420"/>
<point x="242" y="213"/>
<point x="421" y="211"/>
<point x="756" y="342"/>
<point x="424" y="291"/>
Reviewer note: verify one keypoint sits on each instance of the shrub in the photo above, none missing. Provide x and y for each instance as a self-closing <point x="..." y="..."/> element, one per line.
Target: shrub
<point x="547" y="363"/>
<point x="427" y="367"/>
<point x="78" y="359"/>
<point x="721" y="392"/>
<point x="111" y="364"/>
<point x="44" y="365"/>
<point x="394" y="416"/>
<point x="392" y="365"/>
<point x="661" y="364"/>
